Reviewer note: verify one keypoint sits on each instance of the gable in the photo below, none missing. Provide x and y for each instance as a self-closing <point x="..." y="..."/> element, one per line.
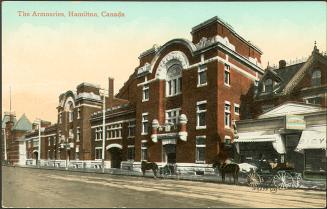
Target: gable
<point x="302" y="77"/>
<point x="291" y="108"/>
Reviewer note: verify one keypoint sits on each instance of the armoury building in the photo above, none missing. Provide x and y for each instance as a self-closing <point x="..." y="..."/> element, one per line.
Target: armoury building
<point x="178" y="106"/>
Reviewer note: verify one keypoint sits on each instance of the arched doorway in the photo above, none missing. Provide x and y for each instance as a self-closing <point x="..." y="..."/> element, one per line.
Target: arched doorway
<point x="115" y="154"/>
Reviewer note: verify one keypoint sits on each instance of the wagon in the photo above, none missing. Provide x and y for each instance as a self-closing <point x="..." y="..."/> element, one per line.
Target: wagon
<point x="281" y="177"/>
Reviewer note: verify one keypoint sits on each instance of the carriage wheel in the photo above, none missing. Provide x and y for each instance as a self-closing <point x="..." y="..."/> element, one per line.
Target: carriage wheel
<point x="283" y="180"/>
<point x="253" y="179"/>
<point x="297" y="181"/>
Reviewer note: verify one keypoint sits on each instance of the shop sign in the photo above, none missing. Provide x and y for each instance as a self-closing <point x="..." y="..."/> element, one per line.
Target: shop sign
<point x="295" y="122"/>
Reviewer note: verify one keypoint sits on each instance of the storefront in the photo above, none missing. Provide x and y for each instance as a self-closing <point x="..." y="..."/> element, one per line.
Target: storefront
<point x="286" y="136"/>
<point x="313" y="146"/>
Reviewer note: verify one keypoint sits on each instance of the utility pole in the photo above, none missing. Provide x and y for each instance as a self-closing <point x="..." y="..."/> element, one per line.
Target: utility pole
<point x="5" y="143"/>
<point x="39" y="148"/>
<point x="103" y="127"/>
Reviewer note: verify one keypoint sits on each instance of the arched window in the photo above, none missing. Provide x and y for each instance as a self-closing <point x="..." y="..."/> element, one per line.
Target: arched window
<point x="268" y="85"/>
<point x="316" y="78"/>
<point x="70" y="112"/>
<point x="174" y="80"/>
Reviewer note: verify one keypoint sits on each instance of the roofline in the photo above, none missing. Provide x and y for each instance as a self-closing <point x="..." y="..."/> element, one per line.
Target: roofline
<point x="229" y="27"/>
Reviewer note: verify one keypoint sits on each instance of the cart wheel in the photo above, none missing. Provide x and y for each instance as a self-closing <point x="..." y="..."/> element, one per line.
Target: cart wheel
<point x="297" y="181"/>
<point x="283" y="180"/>
<point x="253" y="179"/>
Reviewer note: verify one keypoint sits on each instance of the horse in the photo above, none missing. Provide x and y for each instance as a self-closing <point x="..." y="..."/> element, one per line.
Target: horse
<point x="149" y="166"/>
<point x="224" y="168"/>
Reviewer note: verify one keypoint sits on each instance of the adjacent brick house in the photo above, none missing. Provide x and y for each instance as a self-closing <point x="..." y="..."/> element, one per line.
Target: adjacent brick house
<point x="301" y="82"/>
<point x="13" y="143"/>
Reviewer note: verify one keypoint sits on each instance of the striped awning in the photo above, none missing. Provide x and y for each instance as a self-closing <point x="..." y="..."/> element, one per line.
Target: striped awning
<point x="312" y="138"/>
<point x="261" y="136"/>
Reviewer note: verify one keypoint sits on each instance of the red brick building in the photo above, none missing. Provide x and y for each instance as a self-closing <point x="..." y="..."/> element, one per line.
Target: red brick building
<point x="184" y="97"/>
<point x="13" y="143"/>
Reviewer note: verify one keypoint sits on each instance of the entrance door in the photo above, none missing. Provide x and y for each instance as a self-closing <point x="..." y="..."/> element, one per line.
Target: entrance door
<point x="115" y="156"/>
<point x="36" y="156"/>
<point x="170" y="153"/>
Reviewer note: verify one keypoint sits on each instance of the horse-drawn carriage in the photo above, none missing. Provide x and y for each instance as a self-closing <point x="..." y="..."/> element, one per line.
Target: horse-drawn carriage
<point x="281" y="176"/>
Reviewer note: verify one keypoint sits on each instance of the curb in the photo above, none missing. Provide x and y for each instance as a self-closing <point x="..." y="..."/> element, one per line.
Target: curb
<point x="184" y="178"/>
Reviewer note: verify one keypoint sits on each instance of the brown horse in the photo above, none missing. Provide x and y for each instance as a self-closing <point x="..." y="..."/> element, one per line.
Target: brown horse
<point x="224" y="169"/>
<point x="149" y="166"/>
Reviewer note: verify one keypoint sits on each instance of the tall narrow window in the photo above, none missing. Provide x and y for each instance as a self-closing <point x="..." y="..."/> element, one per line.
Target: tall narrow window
<point x="78" y="113"/>
<point x="77" y="152"/>
<point x="48" y="154"/>
<point x="130" y="152"/>
<point x="145" y="123"/>
<point x="60" y="117"/>
<point x="227" y="75"/>
<point x="54" y="140"/>
<point x="98" y="153"/>
<point x="145" y="92"/>
<point x="201" y="110"/>
<point x="200" y="149"/>
<point x="316" y="78"/>
<point x="131" y="128"/>
<point x="202" y="75"/>
<point x="78" y="134"/>
<point x="227" y="115"/>
<point x="98" y="133"/>
<point x="144" y="151"/>
<point x="71" y="112"/>
<point x="49" y="141"/>
<point x="174" y="80"/>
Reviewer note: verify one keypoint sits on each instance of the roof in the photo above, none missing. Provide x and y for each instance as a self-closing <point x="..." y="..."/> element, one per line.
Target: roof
<point x="5" y="119"/>
<point x="23" y="124"/>
<point x="287" y="73"/>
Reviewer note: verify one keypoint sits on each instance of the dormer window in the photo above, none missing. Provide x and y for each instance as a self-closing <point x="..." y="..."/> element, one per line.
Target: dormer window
<point x="316" y="78"/>
<point x="267" y="85"/>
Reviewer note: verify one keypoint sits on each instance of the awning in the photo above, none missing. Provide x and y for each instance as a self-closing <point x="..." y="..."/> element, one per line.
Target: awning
<point x="312" y="138"/>
<point x="260" y="136"/>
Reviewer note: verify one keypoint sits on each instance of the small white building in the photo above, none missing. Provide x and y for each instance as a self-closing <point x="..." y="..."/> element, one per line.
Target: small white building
<point x="292" y="133"/>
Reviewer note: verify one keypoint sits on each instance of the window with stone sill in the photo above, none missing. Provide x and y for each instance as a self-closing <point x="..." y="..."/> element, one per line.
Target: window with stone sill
<point x="145" y="96"/>
<point x="202" y="76"/>
<point x="227" y="75"/>
<point x="130" y="152"/>
<point x="98" y="153"/>
<point x="145" y="123"/>
<point x="144" y="151"/>
<point x="200" y="149"/>
<point x="201" y="110"/>
<point x="227" y="115"/>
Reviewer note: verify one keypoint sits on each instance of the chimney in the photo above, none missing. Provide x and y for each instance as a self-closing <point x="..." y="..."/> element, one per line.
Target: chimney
<point x="111" y="88"/>
<point x="282" y="63"/>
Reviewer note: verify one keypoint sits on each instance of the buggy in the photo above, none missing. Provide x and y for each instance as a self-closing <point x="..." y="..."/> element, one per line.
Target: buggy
<point x="281" y="177"/>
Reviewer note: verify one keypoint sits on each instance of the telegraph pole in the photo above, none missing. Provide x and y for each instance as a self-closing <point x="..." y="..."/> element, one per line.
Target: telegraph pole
<point x="103" y="128"/>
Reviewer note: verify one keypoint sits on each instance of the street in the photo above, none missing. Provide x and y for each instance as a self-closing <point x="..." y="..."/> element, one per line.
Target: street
<point x="26" y="187"/>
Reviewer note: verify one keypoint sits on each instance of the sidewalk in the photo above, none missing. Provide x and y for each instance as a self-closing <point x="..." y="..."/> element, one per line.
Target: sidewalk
<point x="305" y="184"/>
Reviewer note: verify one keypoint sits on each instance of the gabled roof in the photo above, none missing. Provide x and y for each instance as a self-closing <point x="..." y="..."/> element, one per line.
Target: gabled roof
<point x="315" y="57"/>
<point x="291" y="108"/>
<point x="5" y="119"/>
<point x="23" y="124"/>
